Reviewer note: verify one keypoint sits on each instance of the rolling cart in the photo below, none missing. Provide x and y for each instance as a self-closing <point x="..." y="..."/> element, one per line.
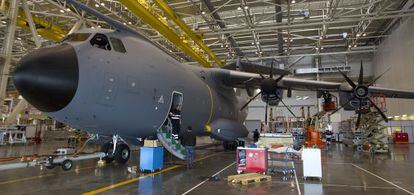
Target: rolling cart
<point x="282" y="162"/>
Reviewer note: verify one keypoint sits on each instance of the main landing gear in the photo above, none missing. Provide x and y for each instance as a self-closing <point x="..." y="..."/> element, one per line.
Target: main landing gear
<point x="116" y="150"/>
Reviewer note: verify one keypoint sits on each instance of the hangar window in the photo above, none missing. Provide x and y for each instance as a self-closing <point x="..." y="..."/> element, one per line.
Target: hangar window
<point x="77" y="37"/>
<point x="100" y="41"/>
<point x="117" y="44"/>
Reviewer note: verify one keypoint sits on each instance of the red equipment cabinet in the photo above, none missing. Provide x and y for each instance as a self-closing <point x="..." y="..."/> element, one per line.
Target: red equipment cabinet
<point x="251" y="160"/>
<point x="400" y="138"/>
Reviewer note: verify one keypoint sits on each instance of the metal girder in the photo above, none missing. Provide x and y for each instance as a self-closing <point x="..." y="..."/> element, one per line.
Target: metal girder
<point x="31" y="24"/>
<point x="12" y="13"/>
<point x="49" y="30"/>
<point x="155" y="22"/>
<point x="221" y="24"/>
<point x="196" y="38"/>
<point x="313" y="23"/>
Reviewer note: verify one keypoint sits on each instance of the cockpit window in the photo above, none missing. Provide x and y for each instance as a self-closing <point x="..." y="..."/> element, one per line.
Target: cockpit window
<point x="77" y="37"/>
<point x="100" y="41"/>
<point x="118" y="45"/>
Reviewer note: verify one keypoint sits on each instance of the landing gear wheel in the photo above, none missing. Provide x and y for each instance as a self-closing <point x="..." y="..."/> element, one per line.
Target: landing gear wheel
<point x="122" y="153"/>
<point x="107" y="148"/>
<point x="67" y="165"/>
<point x="230" y="145"/>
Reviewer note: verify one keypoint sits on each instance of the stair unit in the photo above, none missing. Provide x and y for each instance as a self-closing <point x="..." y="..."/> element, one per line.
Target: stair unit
<point x="173" y="146"/>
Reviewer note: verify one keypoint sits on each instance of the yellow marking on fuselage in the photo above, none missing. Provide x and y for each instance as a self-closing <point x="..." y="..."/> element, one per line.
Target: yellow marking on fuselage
<point x="211" y="107"/>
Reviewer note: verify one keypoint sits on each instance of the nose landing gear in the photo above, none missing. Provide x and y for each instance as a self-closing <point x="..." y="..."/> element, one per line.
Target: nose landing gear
<point x="116" y="150"/>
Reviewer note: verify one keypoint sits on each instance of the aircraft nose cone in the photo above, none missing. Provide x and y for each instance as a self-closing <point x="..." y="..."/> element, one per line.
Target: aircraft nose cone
<point x="48" y="78"/>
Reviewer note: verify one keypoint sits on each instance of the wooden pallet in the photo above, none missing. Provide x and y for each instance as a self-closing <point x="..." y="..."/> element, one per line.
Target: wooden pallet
<point x="248" y="178"/>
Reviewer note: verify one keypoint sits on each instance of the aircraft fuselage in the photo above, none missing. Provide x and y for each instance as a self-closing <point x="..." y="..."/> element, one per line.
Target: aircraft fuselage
<point x="130" y="93"/>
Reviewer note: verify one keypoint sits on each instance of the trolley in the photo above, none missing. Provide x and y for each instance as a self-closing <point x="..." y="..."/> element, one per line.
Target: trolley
<point x="282" y="162"/>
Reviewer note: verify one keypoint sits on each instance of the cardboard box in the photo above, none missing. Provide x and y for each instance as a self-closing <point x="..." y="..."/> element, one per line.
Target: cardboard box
<point x="152" y="143"/>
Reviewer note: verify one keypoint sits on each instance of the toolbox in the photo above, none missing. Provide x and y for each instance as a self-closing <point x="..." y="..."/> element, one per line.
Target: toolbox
<point x="151" y="158"/>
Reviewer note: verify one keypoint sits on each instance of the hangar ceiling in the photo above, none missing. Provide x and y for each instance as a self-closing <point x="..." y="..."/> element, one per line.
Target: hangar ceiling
<point x="252" y="29"/>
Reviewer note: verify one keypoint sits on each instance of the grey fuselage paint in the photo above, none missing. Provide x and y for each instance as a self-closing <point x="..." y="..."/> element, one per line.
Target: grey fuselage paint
<point x="130" y="93"/>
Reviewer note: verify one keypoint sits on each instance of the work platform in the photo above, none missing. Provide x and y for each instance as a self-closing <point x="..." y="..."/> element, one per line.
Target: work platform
<point x="344" y="173"/>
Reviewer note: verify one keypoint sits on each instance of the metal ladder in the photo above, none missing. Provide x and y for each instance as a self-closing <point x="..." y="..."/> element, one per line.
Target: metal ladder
<point x="173" y="146"/>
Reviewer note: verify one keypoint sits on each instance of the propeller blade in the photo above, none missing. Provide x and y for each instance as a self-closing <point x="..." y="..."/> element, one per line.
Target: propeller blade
<point x="287" y="107"/>
<point x="251" y="99"/>
<point x="341" y="107"/>
<point x="378" y="77"/>
<point x="358" y="120"/>
<point x="379" y="110"/>
<point x="267" y="101"/>
<point x="347" y="78"/>
<point x="361" y="75"/>
<point x="280" y="78"/>
<point x="263" y="77"/>
<point x="271" y="70"/>
<point x="359" y="114"/>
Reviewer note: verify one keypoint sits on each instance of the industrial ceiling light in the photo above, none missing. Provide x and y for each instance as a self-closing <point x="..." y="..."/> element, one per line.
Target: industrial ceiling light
<point x="203" y="12"/>
<point x="99" y="26"/>
<point x="344" y="35"/>
<point x="355" y="45"/>
<point x="358" y="35"/>
<point x="252" y="43"/>
<point x="129" y="23"/>
<point x="239" y="8"/>
<point x="349" y="46"/>
<point x="293" y="1"/>
<point x="96" y="5"/>
<point x="103" y="4"/>
<point x="365" y="34"/>
<point x="246" y="7"/>
<point x="404" y="115"/>
<point x="68" y="9"/>
<point x="322" y="48"/>
<point x="62" y="11"/>
<point x="4" y="22"/>
<point x="305" y="97"/>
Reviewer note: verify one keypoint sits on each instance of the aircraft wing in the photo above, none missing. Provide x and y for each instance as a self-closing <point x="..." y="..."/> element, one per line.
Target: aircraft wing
<point x="239" y="79"/>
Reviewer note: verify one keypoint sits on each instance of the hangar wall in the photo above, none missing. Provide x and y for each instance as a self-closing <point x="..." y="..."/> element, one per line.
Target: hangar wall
<point x="397" y="52"/>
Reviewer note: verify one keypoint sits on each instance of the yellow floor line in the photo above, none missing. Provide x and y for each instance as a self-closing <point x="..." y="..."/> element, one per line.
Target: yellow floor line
<point x="126" y="182"/>
<point x="41" y="176"/>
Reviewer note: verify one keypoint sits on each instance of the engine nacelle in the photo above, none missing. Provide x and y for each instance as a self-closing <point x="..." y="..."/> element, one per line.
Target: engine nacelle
<point x="353" y="104"/>
<point x="227" y="130"/>
<point x="273" y="99"/>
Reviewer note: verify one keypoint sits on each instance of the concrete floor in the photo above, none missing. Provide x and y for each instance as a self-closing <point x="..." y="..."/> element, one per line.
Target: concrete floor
<point x="344" y="172"/>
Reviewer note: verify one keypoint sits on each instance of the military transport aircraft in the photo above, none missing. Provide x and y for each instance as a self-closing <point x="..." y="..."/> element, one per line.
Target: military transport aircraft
<point x="118" y="83"/>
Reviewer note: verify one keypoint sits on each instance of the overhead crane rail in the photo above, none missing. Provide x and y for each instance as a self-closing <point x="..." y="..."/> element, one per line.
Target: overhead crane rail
<point x="148" y="14"/>
<point x="196" y="37"/>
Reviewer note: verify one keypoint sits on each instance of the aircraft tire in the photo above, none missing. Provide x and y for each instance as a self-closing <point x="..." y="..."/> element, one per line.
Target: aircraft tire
<point x="107" y="149"/>
<point x="122" y="153"/>
<point x="232" y="146"/>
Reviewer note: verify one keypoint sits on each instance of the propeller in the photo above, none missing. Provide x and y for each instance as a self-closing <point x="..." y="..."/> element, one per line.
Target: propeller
<point x="268" y="86"/>
<point x="361" y="93"/>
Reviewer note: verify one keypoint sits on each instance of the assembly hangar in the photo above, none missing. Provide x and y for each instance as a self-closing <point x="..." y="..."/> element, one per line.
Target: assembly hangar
<point x="284" y="97"/>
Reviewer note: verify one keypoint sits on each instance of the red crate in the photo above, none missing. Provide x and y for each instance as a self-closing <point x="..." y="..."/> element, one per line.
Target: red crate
<point x="251" y="160"/>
